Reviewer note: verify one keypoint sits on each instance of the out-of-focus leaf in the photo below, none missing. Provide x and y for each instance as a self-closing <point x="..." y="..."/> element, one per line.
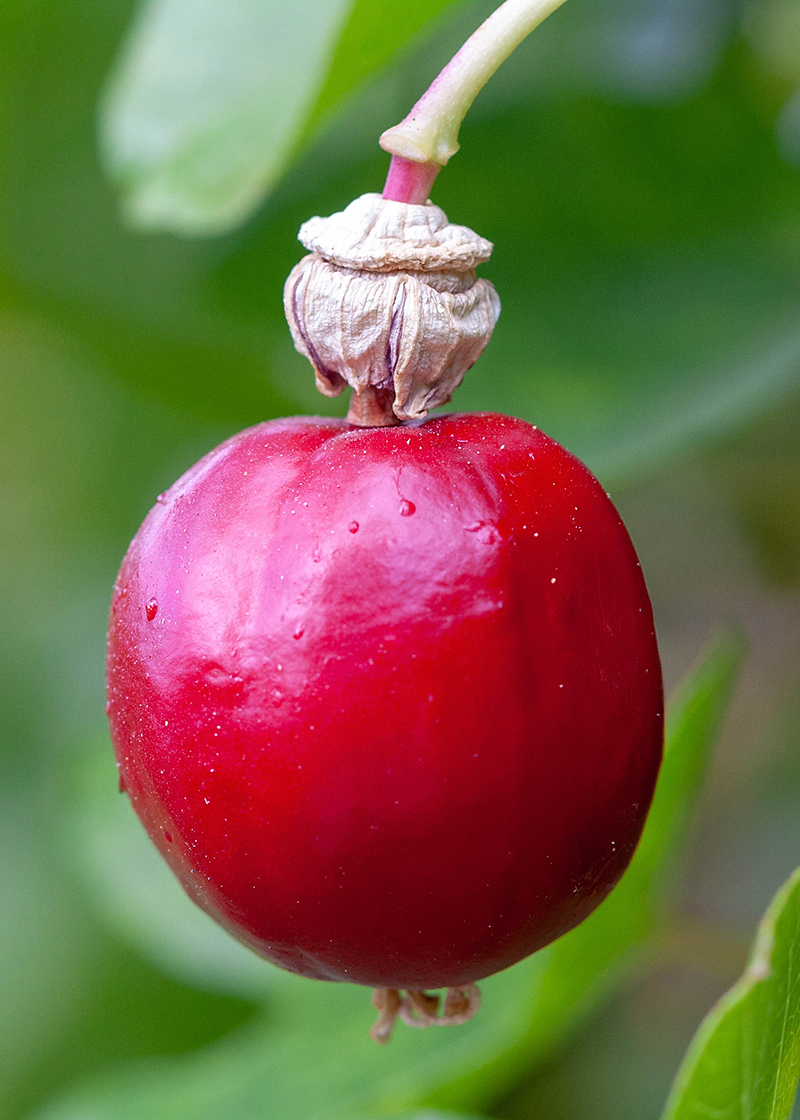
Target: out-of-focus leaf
<point x="774" y="31"/>
<point x="787" y="129"/>
<point x="41" y="940"/>
<point x="210" y="98"/>
<point x="759" y="477"/>
<point x="426" y="1114"/>
<point x="372" y="35"/>
<point x="206" y="102"/>
<point x="744" y="1061"/>
<point x="703" y="405"/>
<point x="263" y="1070"/>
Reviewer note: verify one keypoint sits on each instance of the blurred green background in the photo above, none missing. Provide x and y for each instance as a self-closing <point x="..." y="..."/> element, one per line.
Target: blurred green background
<point x="637" y="165"/>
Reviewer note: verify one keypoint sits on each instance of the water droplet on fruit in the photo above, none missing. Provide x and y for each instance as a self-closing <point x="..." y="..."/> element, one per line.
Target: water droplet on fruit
<point x="407" y="508"/>
<point x="122" y="787"/>
<point x="216" y="676"/>
<point x="299" y="631"/>
<point x="353" y="527"/>
<point x="151" y="609"/>
<point x="162" y="499"/>
<point x="167" y="836"/>
<point x="108" y="707"/>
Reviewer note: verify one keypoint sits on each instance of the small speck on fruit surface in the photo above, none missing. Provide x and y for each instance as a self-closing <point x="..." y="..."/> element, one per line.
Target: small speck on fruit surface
<point x="151" y="609"/>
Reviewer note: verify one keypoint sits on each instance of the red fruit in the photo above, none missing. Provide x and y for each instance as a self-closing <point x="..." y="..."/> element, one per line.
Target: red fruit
<point x="388" y="700"/>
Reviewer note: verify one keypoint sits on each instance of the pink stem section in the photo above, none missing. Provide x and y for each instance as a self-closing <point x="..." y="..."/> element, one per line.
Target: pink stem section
<point x="408" y="181"/>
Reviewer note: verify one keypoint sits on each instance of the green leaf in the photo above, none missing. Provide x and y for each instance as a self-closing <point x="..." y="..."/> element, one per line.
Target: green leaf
<point x="263" y="1070"/>
<point x="744" y="1061"/>
<point x="208" y="101"/>
<point x="42" y="942"/>
<point x="370" y="38"/>
<point x="427" y="1114"/>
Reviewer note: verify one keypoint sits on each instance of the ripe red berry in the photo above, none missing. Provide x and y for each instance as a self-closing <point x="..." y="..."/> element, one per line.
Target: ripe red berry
<point x="388" y="700"/>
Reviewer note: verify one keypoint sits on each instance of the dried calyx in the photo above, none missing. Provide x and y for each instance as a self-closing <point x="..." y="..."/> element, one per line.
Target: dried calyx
<point x="387" y="301"/>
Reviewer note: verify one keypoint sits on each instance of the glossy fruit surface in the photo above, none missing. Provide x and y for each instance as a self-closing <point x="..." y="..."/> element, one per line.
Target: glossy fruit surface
<point x="388" y="700"/>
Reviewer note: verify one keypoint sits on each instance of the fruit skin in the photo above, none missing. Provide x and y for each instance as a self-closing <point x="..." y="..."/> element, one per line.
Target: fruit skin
<point x="388" y="701"/>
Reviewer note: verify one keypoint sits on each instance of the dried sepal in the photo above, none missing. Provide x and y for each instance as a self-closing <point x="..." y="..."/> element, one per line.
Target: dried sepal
<point x="403" y="326"/>
<point x="381" y="235"/>
<point x="388" y="330"/>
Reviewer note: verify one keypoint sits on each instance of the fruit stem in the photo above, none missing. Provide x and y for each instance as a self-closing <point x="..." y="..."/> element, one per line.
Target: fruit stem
<point x="371" y="407"/>
<point x="428" y="136"/>
<point x="408" y="181"/>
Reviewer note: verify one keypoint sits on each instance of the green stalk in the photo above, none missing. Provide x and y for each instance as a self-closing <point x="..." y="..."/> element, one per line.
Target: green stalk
<point x="423" y="143"/>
